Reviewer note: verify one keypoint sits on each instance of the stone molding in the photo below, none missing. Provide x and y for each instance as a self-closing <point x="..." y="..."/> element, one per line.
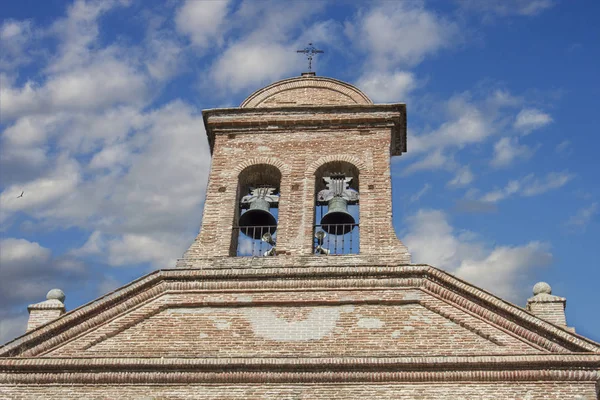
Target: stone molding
<point x="436" y="282"/>
<point x="581" y="368"/>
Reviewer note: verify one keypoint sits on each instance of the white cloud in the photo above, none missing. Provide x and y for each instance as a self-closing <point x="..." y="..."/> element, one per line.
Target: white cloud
<point x="28" y="270"/>
<point x="94" y="245"/>
<point x="511" y="188"/>
<point x="390" y="87"/>
<point x="264" y="52"/>
<point x="82" y="89"/>
<point x="433" y="160"/>
<point x="131" y="249"/>
<point x="111" y="156"/>
<point x="29" y="131"/>
<point x="508" y="150"/>
<point x="19" y="254"/>
<point x="464" y="176"/>
<point x="502" y="270"/>
<point x="583" y="217"/>
<point x="15" y="38"/>
<point x="149" y="178"/>
<point x="467" y="125"/>
<point x="420" y="193"/>
<point x="400" y="33"/>
<point x="78" y="32"/>
<point x="529" y="186"/>
<point x="203" y="21"/>
<point x="553" y="180"/>
<point x="43" y="191"/>
<point x="530" y="119"/>
<point x="564" y="148"/>
<point x="165" y="56"/>
<point x="509" y="7"/>
<point x="245" y="65"/>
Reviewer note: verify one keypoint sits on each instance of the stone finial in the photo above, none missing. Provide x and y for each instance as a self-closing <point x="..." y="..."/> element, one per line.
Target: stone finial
<point x="56" y="294"/>
<point x="46" y="311"/>
<point x="546" y="306"/>
<point x="541" y="287"/>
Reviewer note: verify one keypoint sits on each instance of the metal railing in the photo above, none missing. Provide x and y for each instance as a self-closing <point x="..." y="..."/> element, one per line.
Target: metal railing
<point x="255" y="241"/>
<point x="338" y="239"/>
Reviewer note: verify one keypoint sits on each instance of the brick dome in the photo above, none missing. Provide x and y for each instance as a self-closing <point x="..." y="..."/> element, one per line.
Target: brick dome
<point x="306" y="90"/>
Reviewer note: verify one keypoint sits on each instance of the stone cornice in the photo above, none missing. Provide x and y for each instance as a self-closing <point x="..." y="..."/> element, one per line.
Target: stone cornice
<point x="566" y="367"/>
<point x="278" y="119"/>
<point x="440" y="284"/>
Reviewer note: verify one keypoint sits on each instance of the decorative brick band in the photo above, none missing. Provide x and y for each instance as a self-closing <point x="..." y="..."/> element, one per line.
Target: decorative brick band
<point x="474" y="362"/>
<point x="280" y="165"/>
<point x="272" y="370"/>
<point x="357" y="162"/>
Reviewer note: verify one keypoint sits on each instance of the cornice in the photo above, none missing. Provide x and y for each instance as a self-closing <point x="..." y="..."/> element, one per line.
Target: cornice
<point x="278" y="119"/>
<point x="565" y="367"/>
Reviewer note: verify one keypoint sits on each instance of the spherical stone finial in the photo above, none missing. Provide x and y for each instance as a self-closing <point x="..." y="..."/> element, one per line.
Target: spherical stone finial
<point x="541" y="287"/>
<point x="56" y="294"/>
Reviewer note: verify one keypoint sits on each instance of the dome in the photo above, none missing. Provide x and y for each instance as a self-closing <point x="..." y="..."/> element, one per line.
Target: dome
<point x="306" y="90"/>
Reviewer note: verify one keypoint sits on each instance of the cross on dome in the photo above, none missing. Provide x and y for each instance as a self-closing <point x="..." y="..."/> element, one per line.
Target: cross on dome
<point x="310" y="52"/>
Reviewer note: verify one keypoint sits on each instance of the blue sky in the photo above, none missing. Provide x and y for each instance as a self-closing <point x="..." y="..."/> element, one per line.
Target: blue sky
<point x="100" y="107"/>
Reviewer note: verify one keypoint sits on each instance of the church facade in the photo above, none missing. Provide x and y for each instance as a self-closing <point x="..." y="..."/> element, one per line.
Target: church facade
<point x="298" y="288"/>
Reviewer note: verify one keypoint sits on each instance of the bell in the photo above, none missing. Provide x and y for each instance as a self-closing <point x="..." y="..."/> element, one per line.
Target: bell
<point x="258" y="220"/>
<point x="337" y="214"/>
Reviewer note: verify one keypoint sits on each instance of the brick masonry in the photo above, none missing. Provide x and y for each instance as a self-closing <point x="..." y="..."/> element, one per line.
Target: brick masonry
<point x="454" y="391"/>
<point x="300" y="326"/>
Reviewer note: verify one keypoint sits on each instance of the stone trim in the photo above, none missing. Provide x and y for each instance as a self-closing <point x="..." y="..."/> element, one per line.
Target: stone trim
<point x="434" y="281"/>
<point x="259" y="96"/>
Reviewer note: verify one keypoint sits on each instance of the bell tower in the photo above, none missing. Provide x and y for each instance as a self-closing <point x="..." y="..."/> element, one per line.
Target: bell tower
<point x="300" y="176"/>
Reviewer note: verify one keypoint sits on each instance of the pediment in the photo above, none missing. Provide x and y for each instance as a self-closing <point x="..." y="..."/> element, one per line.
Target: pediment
<point x="303" y="312"/>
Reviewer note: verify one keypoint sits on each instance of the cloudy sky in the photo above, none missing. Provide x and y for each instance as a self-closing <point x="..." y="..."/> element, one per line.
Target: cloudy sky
<point x="101" y="128"/>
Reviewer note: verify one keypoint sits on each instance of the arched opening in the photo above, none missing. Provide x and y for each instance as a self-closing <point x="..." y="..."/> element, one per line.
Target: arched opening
<point x="337" y="209"/>
<point x="256" y="216"/>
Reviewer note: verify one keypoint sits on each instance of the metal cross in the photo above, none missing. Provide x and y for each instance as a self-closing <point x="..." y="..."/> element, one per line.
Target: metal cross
<point x="310" y="52"/>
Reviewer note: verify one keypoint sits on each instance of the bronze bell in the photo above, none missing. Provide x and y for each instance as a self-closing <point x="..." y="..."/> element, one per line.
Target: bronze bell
<point x="337" y="214"/>
<point x="258" y="220"/>
<point x="337" y="220"/>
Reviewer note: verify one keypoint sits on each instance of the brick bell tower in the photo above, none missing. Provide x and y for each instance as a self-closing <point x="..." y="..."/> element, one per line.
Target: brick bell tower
<point x="306" y="161"/>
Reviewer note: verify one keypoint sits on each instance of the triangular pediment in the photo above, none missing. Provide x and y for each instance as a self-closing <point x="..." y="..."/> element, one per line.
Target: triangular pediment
<point x="333" y="312"/>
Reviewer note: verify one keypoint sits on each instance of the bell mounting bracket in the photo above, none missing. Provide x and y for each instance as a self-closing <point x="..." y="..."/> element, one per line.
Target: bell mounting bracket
<point x="265" y="193"/>
<point x="337" y="186"/>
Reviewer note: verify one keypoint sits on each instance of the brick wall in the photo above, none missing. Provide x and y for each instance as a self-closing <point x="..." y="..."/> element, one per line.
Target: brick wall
<point x="423" y="391"/>
<point x="367" y="323"/>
